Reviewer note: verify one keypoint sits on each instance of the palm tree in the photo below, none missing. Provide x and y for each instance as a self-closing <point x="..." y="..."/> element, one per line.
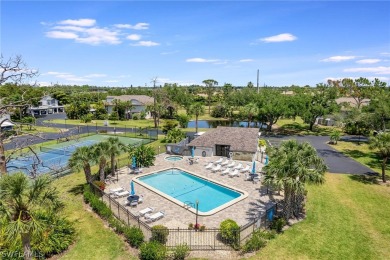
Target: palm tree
<point x="210" y="83"/>
<point x="335" y="136"/>
<point x="197" y="109"/>
<point x="100" y="155"/>
<point x="381" y="143"/>
<point x="82" y="158"/>
<point x="115" y="147"/>
<point x="290" y="167"/>
<point x="21" y="200"/>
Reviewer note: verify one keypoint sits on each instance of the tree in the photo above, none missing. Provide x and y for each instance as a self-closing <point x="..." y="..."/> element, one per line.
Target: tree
<point x="175" y="135"/>
<point x="145" y="155"/>
<point x="21" y="202"/>
<point x="272" y="106"/>
<point x="210" y="83"/>
<point x="359" y="89"/>
<point x="381" y="143"/>
<point x="100" y="155"/>
<point x="197" y="109"/>
<point x="249" y="111"/>
<point x="15" y="70"/>
<point x="115" y="147"/>
<point x="335" y="136"/>
<point x="81" y="159"/>
<point x="290" y="167"/>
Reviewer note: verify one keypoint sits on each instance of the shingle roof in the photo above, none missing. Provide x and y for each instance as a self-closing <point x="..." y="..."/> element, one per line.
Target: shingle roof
<point x="146" y="100"/>
<point x="240" y="139"/>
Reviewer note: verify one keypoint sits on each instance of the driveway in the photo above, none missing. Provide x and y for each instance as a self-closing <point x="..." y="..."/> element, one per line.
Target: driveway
<point x="336" y="161"/>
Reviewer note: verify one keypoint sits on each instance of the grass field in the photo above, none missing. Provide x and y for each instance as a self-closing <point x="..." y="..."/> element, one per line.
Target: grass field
<point x="346" y="219"/>
<point x="298" y="127"/>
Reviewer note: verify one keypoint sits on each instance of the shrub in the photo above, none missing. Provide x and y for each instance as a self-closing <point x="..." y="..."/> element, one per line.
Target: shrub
<point x="152" y="251"/>
<point x="86" y="118"/>
<point x="230" y="232"/>
<point x="183" y="120"/>
<point x="262" y="142"/>
<point x="219" y="111"/>
<point x="134" y="236"/>
<point x="142" y="115"/>
<point x="190" y="226"/>
<point x="169" y="125"/>
<point x="87" y="193"/>
<point x="258" y="240"/>
<point x="278" y="224"/>
<point x="97" y="205"/>
<point x="100" y="184"/>
<point x="180" y="252"/>
<point x="135" y="117"/>
<point x="160" y="234"/>
<point x="202" y="228"/>
<point x="116" y="224"/>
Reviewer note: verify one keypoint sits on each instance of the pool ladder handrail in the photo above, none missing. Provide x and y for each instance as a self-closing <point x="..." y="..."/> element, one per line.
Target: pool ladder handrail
<point x="188" y="204"/>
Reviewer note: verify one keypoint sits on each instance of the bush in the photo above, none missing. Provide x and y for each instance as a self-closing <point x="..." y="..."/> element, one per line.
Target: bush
<point x="190" y="226"/>
<point x="100" y="184"/>
<point x="230" y="232"/>
<point x="142" y="115"/>
<point x="262" y="142"/>
<point x="135" y="117"/>
<point x="160" y="234"/>
<point x="134" y="236"/>
<point x="116" y="224"/>
<point x="86" y="118"/>
<point x="183" y="120"/>
<point x="96" y="204"/>
<point x="258" y="240"/>
<point x="202" y="228"/>
<point x="180" y="252"/>
<point x="278" y="224"/>
<point x="169" y="125"/>
<point x="152" y="251"/>
<point x="219" y="111"/>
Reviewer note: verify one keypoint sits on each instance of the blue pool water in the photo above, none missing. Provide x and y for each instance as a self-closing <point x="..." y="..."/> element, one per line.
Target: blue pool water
<point x="173" y="158"/>
<point x="187" y="187"/>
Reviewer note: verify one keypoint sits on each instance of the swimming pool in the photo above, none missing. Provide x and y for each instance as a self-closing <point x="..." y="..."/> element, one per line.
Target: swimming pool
<point x="185" y="188"/>
<point x="174" y="158"/>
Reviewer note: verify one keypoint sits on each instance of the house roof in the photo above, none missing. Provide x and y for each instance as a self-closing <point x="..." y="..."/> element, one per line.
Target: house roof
<point x="143" y="99"/>
<point x="240" y="139"/>
<point x="351" y="101"/>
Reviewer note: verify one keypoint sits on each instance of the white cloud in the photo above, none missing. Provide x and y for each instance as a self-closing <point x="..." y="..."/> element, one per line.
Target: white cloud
<point x="368" y="61"/>
<point x="385" y="53"/>
<point x="61" y="35"/>
<point x="246" y="60"/>
<point x="200" y="60"/>
<point x="134" y="37"/>
<point x="69" y="28"/>
<point x="146" y="43"/>
<point x="95" y="75"/>
<point x="138" y="26"/>
<point x="112" y="81"/>
<point x="79" y="22"/>
<point x="380" y="78"/>
<point x="338" y="58"/>
<point x="284" y="37"/>
<point x="375" y="70"/>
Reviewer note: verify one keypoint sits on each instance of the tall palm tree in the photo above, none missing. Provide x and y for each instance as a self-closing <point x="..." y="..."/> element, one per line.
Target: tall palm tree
<point x="21" y="200"/>
<point x="210" y="83"/>
<point x="381" y="143"/>
<point x="115" y="147"/>
<point x="101" y="156"/>
<point x="81" y="159"/>
<point x="290" y="167"/>
<point x="197" y="109"/>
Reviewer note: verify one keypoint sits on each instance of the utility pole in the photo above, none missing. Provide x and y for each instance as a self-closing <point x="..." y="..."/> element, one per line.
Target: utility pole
<point x="257" y="81"/>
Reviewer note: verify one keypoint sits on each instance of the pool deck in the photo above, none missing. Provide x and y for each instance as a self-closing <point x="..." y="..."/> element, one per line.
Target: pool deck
<point x="176" y="216"/>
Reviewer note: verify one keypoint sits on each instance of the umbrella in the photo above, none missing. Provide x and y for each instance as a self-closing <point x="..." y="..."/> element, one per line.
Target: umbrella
<point x="134" y="163"/>
<point x="192" y="151"/>
<point x="254" y="167"/>
<point x="266" y="160"/>
<point x="132" y="191"/>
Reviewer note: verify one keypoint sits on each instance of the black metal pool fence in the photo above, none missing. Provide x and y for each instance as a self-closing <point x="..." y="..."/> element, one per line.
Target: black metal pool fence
<point x="208" y="239"/>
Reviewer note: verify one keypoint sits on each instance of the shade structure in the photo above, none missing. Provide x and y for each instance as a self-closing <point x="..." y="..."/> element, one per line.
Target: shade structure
<point x="266" y="160"/>
<point x="132" y="191"/>
<point x="134" y="163"/>
<point x="192" y="152"/>
<point x="254" y="167"/>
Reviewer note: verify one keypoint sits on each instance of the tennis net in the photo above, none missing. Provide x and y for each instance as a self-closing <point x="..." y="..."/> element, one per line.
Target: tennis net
<point x="55" y="150"/>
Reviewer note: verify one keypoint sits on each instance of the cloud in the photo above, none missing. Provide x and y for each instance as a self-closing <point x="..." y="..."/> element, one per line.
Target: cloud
<point x="112" y="81"/>
<point x="246" y="60"/>
<point x="134" y="37"/>
<point x="61" y="35"/>
<point x="79" y="22"/>
<point x="284" y="37"/>
<point x="96" y="75"/>
<point x="385" y="53"/>
<point x="376" y="70"/>
<point x="138" y="26"/>
<point x="368" y="61"/>
<point x="200" y="60"/>
<point x="146" y="43"/>
<point x="338" y="58"/>
<point x="96" y="36"/>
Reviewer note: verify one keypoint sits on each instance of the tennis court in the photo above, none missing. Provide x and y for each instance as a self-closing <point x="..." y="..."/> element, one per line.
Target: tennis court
<point x="54" y="158"/>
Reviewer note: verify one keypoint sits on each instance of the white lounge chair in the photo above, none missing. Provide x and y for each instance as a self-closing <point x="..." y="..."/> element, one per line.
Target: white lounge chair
<point x="218" y="161"/>
<point x="231" y="164"/>
<point x="209" y="166"/>
<point x="247" y="177"/>
<point x="216" y="168"/>
<point x="226" y="162"/>
<point x="155" y="216"/>
<point x="246" y="169"/>
<point x="112" y="191"/>
<point x="234" y="173"/>
<point x="121" y="194"/>
<point x="141" y="199"/>
<point x="238" y="167"/>
<point x="145" y="211"/>
<point x="226" y="171"/>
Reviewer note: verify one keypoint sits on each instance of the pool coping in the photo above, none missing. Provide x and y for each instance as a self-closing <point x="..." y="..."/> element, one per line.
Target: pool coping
<point x="243" y="193"/>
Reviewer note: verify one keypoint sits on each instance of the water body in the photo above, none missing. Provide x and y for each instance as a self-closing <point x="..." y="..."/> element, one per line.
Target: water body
<point x="215" y="123"/>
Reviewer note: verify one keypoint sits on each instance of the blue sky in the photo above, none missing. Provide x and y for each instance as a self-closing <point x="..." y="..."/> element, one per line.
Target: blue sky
<point x="122" y="43"/>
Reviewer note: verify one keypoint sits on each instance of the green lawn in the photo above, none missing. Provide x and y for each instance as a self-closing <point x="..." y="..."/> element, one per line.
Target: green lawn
<point x="298" y="127"/>
<point x="346" y="219"/>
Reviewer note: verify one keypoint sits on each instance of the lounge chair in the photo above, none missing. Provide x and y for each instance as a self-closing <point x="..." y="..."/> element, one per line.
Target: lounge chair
<point x="134" y="203"/>
<point x="216" y="168"/>
<point x="141" y="199"/>
<point x="196" y="160"/>
<point x="218" y="161"/>
<point x="238" y="167"/>
<point x="209" y="166"/>
<point x="226" y="171"/>
<point x="226" y="162"/>
<point x="231" y="164"/>
<point x="112" y="191"/>
<point x="145" y="211"/>
<point x="246" y="169"/>
<point x="120" y="194"/>
<point x="234" y="173"/>
<point x="155" y="216"/>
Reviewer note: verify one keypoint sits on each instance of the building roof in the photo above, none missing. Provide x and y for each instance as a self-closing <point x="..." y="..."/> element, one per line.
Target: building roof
<point x="240" y="139"/>
<point x="143" y="99"/>
<point x="351" y="101"/>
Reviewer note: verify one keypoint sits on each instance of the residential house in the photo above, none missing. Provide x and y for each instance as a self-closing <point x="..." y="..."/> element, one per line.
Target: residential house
<point x="47" y="105"/>
<point x="139" y="104"/>
<point x="5" y="122"/>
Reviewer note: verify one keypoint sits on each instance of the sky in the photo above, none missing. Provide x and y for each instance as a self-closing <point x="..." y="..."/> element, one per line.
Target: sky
<point x="124" y="43"/>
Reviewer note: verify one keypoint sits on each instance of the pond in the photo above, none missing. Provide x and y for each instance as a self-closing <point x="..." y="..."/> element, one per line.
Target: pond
<point x="215" y="123"/>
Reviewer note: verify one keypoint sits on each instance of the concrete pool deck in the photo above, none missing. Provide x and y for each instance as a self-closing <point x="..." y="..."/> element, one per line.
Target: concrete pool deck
<point x="176" y="216"/>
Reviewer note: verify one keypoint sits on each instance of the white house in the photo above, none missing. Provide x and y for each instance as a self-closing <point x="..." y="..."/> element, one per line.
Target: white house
<point x="138" y="102"/>
<point x="5" y="123"/>
<point x="47" y="105"/>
